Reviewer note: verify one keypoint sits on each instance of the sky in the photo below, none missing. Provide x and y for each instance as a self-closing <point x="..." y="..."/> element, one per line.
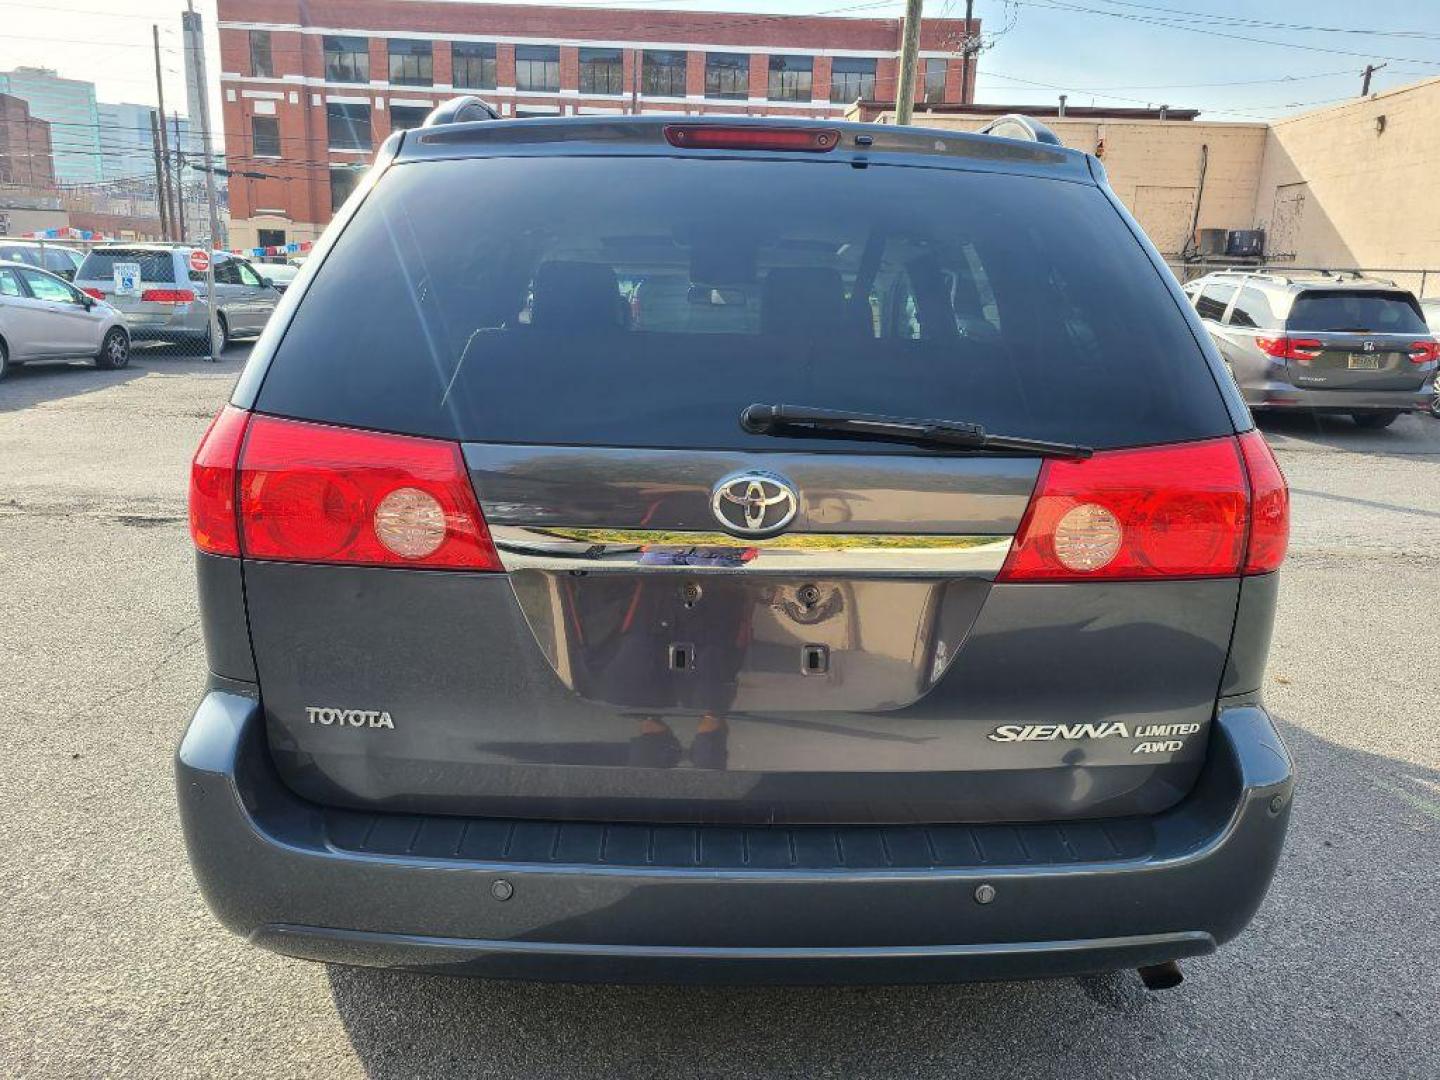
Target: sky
<point x="1234" y="60"/>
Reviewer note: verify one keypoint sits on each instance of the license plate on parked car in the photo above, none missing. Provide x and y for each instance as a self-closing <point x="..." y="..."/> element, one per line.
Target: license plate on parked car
<point x="1364" y="361"/>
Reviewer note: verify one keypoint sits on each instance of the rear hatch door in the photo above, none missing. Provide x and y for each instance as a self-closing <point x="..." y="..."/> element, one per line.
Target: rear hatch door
<point x="1358" y="339"/>
<point x="651" y="652"/>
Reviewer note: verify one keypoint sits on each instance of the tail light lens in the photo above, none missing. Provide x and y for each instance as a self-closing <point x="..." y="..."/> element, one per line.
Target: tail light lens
<point x="1269" y="506"/>
<point x="1168" y="512"/>
<point x="316" y="493"/>
<point x="1301" y="350"/>
<point x="769" y="137"/>
<point x="214" y="525"/>
<point x="1422" y="352"/>
<point x="168" y="296"/>
<point x="96" y="293"/>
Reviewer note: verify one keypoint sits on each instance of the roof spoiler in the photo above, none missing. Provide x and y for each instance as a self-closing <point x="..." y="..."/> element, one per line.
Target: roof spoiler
<point x="1015" y="126"/>
<point x="460" y="110"/>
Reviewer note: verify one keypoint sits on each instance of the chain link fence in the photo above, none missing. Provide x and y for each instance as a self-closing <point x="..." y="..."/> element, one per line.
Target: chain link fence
<point x="177" y="291"/>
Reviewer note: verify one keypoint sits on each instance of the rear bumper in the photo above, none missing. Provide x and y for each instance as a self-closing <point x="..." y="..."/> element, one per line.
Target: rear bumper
<point x="615" y="903"/>
<point x="1283" y="395"/>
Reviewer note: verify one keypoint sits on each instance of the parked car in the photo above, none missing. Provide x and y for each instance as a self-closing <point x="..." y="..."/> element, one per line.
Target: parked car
<point x="281" y="275"/>
<point x="56" y="258"/>
<point x="787" y="627"/>
<point x="166" y="300"/>
<point x="1334" y="343"/>
<point x="44" y="317"/>
<point x="1431" y="308"/>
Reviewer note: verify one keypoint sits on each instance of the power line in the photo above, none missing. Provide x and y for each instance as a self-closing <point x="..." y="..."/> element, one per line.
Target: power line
<point x="1058" y="5"/>
<point x="1245" y="20"/>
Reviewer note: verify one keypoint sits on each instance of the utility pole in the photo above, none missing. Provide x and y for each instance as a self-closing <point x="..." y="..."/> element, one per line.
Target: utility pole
<point x="160" y="199"/>
<point x="1370" y="69"/>
<point x="635" y="83"/>
<point x="164" y="193"/>
<point x="909" y="51"/>
<point x="965" y="95"/>
<point x="179" y="183"/>
<point x="195" y="54"/>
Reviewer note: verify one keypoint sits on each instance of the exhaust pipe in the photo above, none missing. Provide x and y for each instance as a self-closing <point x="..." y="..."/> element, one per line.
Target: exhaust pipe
<point x="1164" y="976"/>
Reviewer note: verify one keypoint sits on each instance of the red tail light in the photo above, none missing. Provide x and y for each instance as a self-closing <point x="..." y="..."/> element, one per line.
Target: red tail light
<point x="168" y="296"/>
<point x="1302" y="350"/>
<point x="769" y="137"/>
<point x="213" y="522"/>
<point x="1422" y="352"/>
<point x="96" y="293"/>
<point x="1168" y="512"/>
<point x="315" y="493"/>
<point x="1269" y="506"/>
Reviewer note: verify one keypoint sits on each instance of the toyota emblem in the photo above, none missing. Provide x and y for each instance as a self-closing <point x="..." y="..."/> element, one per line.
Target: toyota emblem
<point x="754" y="503"/>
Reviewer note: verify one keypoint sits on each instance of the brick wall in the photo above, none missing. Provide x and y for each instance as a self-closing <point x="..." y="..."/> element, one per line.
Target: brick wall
<point x="295" y="195"/>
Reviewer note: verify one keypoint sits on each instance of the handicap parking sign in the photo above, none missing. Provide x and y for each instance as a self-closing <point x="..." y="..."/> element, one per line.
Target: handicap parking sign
<point x="127" y="279"/>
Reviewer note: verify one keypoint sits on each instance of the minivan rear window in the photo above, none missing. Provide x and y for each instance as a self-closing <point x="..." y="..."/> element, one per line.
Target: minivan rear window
<point x="1358" y="311"/>
<point x="645" y="301"/>
<point x="154" y="265"/>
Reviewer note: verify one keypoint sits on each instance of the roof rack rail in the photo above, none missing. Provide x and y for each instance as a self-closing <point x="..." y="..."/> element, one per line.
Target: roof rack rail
<point x="459" y="110"/>
<point x="1016" y="126"/>
<point x="1299" y="275"/>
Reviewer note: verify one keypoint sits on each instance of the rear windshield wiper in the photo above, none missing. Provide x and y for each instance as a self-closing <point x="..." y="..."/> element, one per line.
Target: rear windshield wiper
<point x="801" y="420"/>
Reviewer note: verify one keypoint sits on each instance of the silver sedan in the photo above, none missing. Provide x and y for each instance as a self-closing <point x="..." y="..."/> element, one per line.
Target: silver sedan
<point x="44" y="317"/>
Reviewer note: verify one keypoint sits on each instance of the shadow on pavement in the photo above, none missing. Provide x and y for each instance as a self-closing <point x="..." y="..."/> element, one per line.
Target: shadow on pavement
<point x="1414" y="433"/>
<point x="33" y="384"/>
<point x="1331" y="980"/>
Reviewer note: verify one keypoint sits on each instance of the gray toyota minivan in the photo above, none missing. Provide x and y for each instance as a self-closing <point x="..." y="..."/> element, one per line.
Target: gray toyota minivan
<point x="735" y="550"/>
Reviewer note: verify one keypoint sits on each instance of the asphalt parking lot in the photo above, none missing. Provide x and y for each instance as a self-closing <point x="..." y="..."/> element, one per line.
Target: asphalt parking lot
<point x="110" y="964"/>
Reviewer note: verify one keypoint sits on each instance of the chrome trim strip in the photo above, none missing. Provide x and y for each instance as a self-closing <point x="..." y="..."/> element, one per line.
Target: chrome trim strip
<point x="663" y="551"/>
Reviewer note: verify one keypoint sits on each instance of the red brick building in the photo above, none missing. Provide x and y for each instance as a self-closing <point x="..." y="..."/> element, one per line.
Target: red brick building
<point x="312" y="87"/>
<point x="25" y="152"/>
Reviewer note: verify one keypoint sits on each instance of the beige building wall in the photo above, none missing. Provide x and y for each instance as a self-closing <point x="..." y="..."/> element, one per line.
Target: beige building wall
<point x="1357" y="185"/>
<point x="1154" y="167"/>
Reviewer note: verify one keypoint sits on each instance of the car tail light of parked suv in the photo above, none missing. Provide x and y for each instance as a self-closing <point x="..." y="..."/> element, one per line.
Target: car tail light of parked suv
<point x="323" y="494"/>
<point x="1301" y="350"/>
<point x="168" y="296"/>
<point x="1164" y="512"/>
<point x="1423" y="352"/>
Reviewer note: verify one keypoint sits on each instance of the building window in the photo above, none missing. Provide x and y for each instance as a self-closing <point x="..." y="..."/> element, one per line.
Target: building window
<point x="662" y="74"/>
<point x="262" y="65"/>
<point x="790" y="78"/>
<point x="405" y="117"/>
<point x="348" y="126"/>
<point x="347" y="59"/>
<point x="601" y="72"/>
<point x="342" y="182"/>
<point x="411" y="63"/>
<point x="268" y="238"/>
<point x="727" y="75"/>
<point x="474" y="64"/>
<point x="852" y="79"/>
<point x="537" y="67"/>
<point x="264" y="136"/>
<point x="934" y="80"/>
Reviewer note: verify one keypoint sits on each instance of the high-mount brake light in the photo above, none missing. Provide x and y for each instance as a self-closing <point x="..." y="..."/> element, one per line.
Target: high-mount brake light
<point x="768" y="137"/>
<point x="1301" y="350"/>
<point x="1180" y="511"/>
<point x="322" y="494"/>
<point x="168" y="296"/>
<point x="214" y="524"/>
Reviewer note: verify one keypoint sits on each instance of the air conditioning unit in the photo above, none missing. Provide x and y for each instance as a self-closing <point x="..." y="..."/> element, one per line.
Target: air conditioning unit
<point x="1245" y="243"/>
<point x="1212" y="241"/>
